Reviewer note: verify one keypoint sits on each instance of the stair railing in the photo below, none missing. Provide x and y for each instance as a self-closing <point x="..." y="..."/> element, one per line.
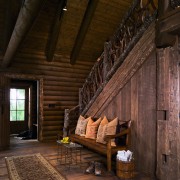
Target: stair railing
<point x="131" y="29"/>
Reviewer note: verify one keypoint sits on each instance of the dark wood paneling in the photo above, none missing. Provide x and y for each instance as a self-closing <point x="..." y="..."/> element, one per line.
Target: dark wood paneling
<point x="137" y="101"/>
<point x="168" y="114"/>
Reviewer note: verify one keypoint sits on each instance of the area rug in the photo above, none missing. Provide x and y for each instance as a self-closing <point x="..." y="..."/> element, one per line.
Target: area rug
<point x="31" y="167"/>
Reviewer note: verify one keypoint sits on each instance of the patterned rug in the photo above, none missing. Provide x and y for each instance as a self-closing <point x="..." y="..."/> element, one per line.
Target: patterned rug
<point x="31" y="167"/>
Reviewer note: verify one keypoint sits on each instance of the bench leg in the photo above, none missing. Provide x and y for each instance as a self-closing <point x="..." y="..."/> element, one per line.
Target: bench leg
<point x="109" y="155"/>
<point x="109" y="161"/>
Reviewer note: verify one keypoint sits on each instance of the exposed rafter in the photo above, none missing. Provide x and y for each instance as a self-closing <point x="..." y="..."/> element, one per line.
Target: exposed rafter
<point x="83" y="29"/>
<point x="11" y="13"/>
<point x="24" y="22"/>
<point x="53" y="38"/>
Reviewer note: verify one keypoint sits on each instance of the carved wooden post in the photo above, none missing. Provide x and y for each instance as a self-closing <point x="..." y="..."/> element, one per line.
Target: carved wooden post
<point x="168" y="114"/>
<point x="106" y="66"/>
<point x="66" y="122"/>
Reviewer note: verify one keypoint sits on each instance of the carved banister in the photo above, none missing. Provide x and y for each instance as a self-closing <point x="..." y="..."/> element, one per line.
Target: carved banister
<point x="131" y="29"/>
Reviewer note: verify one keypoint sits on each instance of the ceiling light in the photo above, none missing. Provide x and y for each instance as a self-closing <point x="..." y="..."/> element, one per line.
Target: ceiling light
<point x="65" y="8"/>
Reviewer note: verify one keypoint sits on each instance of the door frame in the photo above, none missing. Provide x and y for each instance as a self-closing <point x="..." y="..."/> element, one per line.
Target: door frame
<point x="39" y="80"/>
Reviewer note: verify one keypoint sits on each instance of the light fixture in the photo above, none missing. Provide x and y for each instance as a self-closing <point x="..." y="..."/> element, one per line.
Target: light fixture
<point x="65" y="7"/>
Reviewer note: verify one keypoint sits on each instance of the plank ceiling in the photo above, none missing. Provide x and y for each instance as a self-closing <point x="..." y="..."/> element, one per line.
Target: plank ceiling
<point x="78" y="33"/>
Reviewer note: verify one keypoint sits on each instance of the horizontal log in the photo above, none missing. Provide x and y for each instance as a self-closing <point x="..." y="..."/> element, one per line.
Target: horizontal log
<point x="40" y="61"/>
<point x="54" y="67"/>
<point x="61" y="103"/>
<point x="50" y="112"/>
<point x="72" y="80"/>
<point x="59" y="92"/>
<point x="41" y="71"/>
<point x="59" y="106"/>
<point x="50" y="133"/>
<point x="63" y="86"/>
<point x="52" y="128"/>
<point x="60" y="98"/>
<point x="52" y="123"/>
<point x="53" y="118"/>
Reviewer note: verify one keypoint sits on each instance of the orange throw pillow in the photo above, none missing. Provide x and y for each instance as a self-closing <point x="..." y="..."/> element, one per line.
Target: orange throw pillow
<point x="107" y="128"/>
<point x="92" y="127"/>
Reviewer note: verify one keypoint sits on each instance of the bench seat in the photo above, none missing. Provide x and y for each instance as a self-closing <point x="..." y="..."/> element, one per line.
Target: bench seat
<point x="104" y="149"/>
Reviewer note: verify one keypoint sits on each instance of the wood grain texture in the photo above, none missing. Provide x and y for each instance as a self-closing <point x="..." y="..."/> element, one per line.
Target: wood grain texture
<point x="168" y="101"/>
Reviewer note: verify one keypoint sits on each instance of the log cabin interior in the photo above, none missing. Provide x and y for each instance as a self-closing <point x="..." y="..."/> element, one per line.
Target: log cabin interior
<point x="117" y="58"/>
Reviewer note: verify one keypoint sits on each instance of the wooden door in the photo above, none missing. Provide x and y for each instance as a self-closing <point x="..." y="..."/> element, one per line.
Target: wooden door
<point x="4" y="112"/>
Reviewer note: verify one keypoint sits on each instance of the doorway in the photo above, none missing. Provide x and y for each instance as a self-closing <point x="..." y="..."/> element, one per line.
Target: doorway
<point x="24" y="108"/>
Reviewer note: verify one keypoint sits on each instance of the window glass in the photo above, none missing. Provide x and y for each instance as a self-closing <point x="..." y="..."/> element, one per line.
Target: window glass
<point x="12" y="93"/>
<point x="17" y="104"/>
<point x="12" y="104"/>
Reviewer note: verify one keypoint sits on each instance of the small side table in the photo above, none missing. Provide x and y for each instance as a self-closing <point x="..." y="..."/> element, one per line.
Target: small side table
<point x="72" y="154"/>
<point x="61" y="152"/>
<point x="69" y="153"/>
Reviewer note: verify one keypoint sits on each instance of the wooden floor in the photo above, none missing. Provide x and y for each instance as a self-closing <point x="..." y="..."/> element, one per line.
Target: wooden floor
<point x="49" y="151"/>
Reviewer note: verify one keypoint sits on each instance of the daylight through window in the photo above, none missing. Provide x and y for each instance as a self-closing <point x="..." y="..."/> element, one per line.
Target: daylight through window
<point x="17" y="104"/>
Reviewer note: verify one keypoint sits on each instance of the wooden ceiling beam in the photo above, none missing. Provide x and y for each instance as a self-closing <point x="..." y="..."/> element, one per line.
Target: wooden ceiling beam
<point x="11" y="13"/>
<point x="54" y="35"/>
<point x="92" y="4"/>
<point x="25" y="19"/>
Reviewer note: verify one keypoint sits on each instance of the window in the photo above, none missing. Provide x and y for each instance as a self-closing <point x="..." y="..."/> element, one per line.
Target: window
<point x="17" y="104"/>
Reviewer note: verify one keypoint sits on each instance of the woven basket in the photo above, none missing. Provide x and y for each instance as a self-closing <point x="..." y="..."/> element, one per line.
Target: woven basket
<point x="125" y="170"/>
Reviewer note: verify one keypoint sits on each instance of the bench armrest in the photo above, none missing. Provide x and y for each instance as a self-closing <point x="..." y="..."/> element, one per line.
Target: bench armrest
<point x="124" y="132"/>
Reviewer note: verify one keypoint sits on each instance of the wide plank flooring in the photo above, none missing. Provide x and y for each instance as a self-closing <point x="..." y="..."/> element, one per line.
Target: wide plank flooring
<point x="50" y="152"/>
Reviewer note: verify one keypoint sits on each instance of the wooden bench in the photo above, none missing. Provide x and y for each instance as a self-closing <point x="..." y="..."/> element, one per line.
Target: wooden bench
<point x="105" y="149"/>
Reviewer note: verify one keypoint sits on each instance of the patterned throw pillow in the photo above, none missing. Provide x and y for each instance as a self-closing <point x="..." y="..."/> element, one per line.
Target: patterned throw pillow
<point x="107" y="128"/>
<point x="81" y="125"/>
<point x="92" y="127"/>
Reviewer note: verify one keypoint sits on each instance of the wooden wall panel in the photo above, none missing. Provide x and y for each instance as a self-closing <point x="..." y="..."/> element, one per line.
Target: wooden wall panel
<point x="137" y="101"/>
<point x="146" y="121"/>
<point x="168" y="114"/>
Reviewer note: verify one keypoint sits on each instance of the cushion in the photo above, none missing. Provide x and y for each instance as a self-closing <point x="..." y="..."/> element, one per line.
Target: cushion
<point x="92" y="127"/>
<point x="81" y="125"/>
<point x="107" y="128"/>
<point x="102" y="131"/>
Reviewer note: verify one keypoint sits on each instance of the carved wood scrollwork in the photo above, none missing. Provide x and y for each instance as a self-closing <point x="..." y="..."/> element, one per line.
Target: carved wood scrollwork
<point x="94" y="80"/>
<point x="136" y="21"/>
<point x="138" y="15"/>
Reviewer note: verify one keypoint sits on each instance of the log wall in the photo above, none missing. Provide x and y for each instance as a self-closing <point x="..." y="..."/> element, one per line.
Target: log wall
<point x="61" y="83"/>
